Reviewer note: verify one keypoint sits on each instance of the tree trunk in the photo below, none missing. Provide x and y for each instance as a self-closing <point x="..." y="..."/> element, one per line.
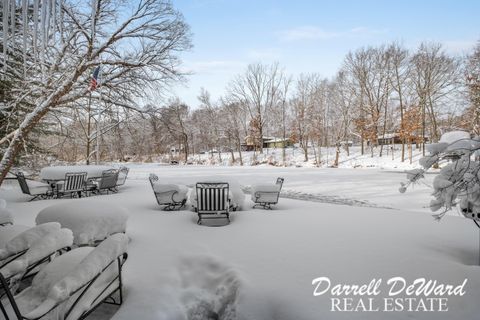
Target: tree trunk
<point x="337" y="156"/>
<point x="239" y="146"/>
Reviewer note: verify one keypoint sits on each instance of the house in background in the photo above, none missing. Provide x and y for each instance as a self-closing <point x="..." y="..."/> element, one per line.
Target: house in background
<point x="394" y="138"/>
<point x="253" y="143"/>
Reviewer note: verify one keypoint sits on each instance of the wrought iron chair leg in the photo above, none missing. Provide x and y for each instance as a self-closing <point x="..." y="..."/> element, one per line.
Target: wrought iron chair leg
<point x="4" y="311"/>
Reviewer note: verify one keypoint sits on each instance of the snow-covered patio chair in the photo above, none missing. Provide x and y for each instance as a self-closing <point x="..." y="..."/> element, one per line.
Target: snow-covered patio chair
<point x="74" y="184"/>
<point x="107" y="182"/>
<point x="170" y="196"/>
<point x="122" y="176"/>
<point x="266" y="195"/>
<point x="212" y="200"/>
<point x="23" y="255"/>
<point x="33" y="188"/>
<point x="74" y="284"/>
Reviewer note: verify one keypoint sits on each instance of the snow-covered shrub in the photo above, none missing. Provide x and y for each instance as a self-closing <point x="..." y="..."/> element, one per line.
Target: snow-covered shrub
<point x="458" y="182"/>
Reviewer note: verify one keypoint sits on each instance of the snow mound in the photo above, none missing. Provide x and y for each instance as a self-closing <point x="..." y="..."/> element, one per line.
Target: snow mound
<point x="6" y="215"/>
<point x="90" y="221"/>
<point x="210" y="289"/>
<point x="3" y="204"/>
<point x="42" y="248"/>
<point x="26" y="239"/>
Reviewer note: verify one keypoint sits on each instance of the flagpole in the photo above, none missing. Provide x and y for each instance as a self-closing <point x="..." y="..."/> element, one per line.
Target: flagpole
<point x="89" y="126"/>
<point x="97" y="146"/>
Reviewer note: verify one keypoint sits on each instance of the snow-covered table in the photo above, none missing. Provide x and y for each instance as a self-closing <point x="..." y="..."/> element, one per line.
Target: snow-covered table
<point x="58" y="172"/>
<point x="90" y="221"/>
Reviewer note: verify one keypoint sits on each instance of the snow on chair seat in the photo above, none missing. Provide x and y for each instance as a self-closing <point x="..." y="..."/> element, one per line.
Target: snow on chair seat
<point x="21" y="240"/>
<point x="266" y="195"/>
<point x="91" y="221"/>
<point x="74" y="284"/>
<point x="6" y="217"/>
<point x="170" y="196"/>
<point x="9" y="232"/>
<point x="27" y="262"/>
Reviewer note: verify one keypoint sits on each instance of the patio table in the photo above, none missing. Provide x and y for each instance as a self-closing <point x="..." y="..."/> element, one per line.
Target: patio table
<point x="57" y="173"/>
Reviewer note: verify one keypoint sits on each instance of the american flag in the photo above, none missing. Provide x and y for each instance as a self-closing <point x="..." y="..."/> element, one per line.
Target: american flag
<point x="94" y="81"/>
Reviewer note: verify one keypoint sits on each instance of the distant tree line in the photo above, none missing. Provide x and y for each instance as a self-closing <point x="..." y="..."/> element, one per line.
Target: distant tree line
<point x="378" y="92"/>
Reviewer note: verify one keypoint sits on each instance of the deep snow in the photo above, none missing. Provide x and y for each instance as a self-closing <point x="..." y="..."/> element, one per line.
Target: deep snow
<point x="261" y="266"/>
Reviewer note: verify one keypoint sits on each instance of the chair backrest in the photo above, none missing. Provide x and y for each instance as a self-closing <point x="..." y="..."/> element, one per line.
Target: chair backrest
<point x="122" y="175"/>
<point x="212" y="197"/>
<point x="74" y="181"/>
<point x="153" y="178"/>
<point x="280" y="182"/>
<point x="23" y="183"/>
<point x="109" y="179"/>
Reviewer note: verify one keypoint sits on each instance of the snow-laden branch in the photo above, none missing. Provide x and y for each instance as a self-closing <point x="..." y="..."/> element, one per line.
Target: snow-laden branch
<point x="458" y="181"/>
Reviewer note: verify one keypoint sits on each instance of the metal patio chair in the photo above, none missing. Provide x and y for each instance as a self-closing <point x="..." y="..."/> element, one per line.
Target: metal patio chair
<point x="103" y="284"/>
<point x="267" y="195"/>
<point x="212" y="201"/>
<point x="36" y="189"/>
<point x="170" y="196"/>
<point x="74" y="184"/>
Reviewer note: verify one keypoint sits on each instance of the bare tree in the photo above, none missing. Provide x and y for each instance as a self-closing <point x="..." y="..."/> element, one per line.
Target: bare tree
<point x="399" y="59"/>
<point x="135" y="51"/>
<point x="473" y="84"/>
<point x="435" y="76"/>
<point x="257" y="89"/>
<point x="370" y="74"/>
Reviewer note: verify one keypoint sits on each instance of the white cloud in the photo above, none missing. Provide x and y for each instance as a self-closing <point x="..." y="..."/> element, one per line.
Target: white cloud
<point x="317" y="33"/>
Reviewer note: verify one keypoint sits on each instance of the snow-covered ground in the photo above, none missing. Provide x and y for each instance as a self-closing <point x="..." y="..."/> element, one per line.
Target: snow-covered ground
<point x="351" y="225"/>
<point x="294" y="157"/>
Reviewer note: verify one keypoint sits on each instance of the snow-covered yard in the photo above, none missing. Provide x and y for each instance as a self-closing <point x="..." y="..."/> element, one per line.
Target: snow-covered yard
<point x="356" y="228"/>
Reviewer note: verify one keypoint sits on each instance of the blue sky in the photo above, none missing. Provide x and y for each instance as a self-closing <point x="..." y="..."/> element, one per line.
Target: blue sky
<point x="310" y="36"/>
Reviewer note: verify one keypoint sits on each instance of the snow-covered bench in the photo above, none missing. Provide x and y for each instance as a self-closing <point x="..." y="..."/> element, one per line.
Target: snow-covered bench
<point x="170" y="196"/>
<point x="91" y="221"/>
<point x="74" y="284"/>
<point x="266" y="195"/>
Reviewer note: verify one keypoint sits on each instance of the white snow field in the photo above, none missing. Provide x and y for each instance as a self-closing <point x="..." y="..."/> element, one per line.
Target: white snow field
<point x="351" y="225"/>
